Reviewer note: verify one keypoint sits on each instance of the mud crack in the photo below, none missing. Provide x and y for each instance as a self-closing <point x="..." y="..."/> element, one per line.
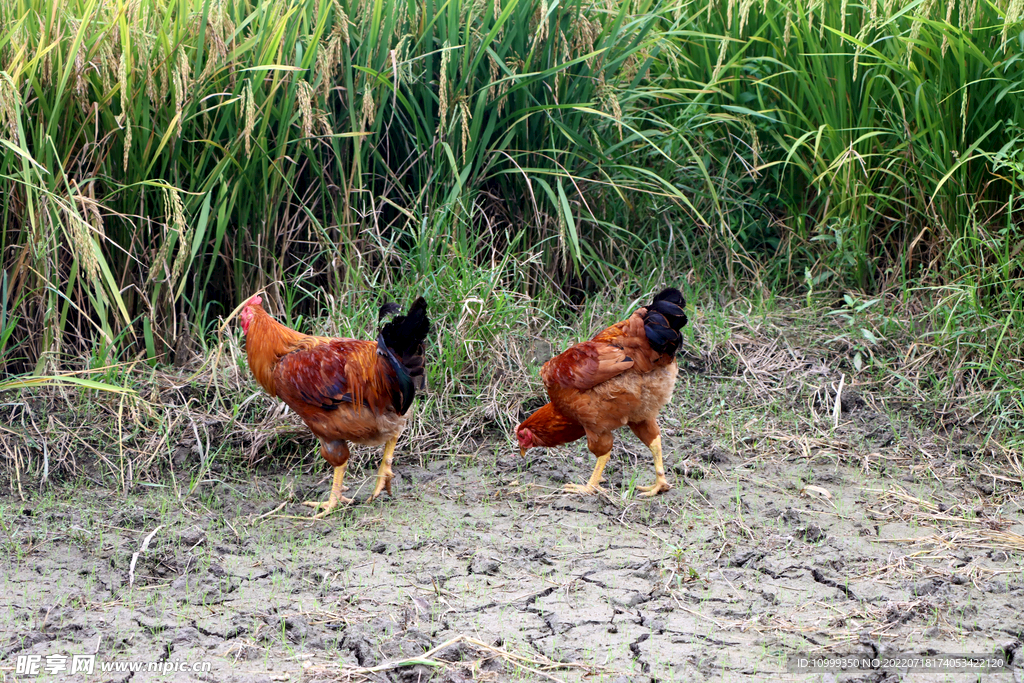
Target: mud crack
<point x="825" y="581"/>
<point x="638" y="654"/>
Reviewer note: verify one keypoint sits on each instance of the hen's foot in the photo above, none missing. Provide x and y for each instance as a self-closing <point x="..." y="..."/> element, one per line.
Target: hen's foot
<point x="584" y="489"/>
<point x="593" y="485"/>
<point x="384" y="477"/>
<point x="660" y="485"/>
<point x="328" y="506"/>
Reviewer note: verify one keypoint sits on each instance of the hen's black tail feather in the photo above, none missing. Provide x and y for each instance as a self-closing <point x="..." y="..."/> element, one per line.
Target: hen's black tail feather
<point x="665" y="317"/>
<point x="404" y="338"/>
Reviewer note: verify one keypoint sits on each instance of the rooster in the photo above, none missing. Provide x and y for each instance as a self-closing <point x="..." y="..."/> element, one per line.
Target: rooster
<point x="623" y="376"/>
<point x="343" y="389"/>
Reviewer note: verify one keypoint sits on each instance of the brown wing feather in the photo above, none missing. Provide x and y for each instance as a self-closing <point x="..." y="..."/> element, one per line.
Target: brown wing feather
<point x="629" y="335"/>
<point x="611" y="352"/>
<point x="330" y="373"/>
<point x="585" y="365"/>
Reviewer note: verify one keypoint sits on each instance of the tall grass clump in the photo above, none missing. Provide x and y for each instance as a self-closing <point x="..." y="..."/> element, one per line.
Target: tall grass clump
<point x="161" y="161"/>
<point x="866" y="147"/>
<point x="853" y="144"/>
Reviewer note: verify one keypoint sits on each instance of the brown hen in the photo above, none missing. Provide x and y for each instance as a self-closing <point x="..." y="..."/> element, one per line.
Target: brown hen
<point x="622" y="377"/>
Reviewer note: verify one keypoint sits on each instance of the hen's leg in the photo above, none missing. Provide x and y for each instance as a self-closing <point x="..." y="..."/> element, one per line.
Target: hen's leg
<point x="600" y="444"/>
<point x="650" y="434"/>
<point x="343" y="467"/>
<point x="384" y="473"/>
<point x="594" y="485"/>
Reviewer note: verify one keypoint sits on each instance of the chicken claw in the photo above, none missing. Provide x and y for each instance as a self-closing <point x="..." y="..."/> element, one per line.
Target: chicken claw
<point x="592" y="487"/>
<point x="584" y="489"/>
<point x="660" y="485"/>
<point x="336" y="488"/>
<point x="328" y="506"/>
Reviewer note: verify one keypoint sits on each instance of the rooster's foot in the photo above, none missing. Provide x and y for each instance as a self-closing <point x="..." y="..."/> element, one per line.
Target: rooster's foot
<point x="328" y="507"/>
<point x="660" y="485"/>
<point x="584" y="489"/>
<point x="384" y="478"/>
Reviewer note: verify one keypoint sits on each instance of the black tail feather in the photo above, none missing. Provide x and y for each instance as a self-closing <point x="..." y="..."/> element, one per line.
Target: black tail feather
<point x="404" y="337"/>
<point x="665" y="317"/>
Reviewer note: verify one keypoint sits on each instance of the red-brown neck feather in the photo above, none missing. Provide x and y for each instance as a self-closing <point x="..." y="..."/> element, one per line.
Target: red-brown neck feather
<point x="552" y="428"/>
<point x="266" y="341"/>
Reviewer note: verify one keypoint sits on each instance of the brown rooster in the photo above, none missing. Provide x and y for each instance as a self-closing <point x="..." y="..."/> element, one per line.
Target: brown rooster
<point x="623" y="376"/>
<point x="343" y="389"/>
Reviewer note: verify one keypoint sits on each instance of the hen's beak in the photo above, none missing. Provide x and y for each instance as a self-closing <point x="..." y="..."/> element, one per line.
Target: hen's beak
<point x="522" y="452"/>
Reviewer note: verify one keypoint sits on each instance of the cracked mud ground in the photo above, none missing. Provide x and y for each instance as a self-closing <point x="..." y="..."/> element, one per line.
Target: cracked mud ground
<point x="880" y="536"/>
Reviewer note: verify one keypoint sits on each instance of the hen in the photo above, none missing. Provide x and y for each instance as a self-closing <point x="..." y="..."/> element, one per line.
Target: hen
<point x="343" y="389"/>
<point x="623" y="376"/>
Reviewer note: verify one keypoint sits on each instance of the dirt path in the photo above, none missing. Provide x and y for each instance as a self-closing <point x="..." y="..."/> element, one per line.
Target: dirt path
<point x="875" y="537"/>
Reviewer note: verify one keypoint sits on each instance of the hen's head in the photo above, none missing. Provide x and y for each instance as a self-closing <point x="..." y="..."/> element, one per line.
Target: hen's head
<point x="526" y="438"/>
<point x="249" y="312"/>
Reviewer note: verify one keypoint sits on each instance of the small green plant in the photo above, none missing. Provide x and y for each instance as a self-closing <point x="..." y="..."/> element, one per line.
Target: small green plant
<point x="864" y="336"/>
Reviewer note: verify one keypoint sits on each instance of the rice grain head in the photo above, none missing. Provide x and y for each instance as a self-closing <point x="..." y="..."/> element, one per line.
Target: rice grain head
<point x="324" y="68"/>
<point x="175" y="211"/>
<point x="1014" y="11"/>
<point x="343" y="22"/>
<point x="369" y="110"/>
<point x="43" y="73"/>
<point x="401" y="63"/>
<point x="540" y="19"/>
<point x="755" y="147"/>
<point x="945" y="33"/>
<point x="181" y="86"/>
<point x="82" y="245"/>
<point x="248" y="106"/>
<point x="493" y="72"/>
<point x="10" y="106"/>
<point x="745" y="7"/>
<point x="325" y="123"/>
<point x="305" y="95"/>
<point x="164" y="69"/>
<point x="442" y="89"/>
<point x="122" y="77"/>
<point x="916" y="26"/>
<point x="106" y="57"/>
<point x="219" y="31"/>
<point x="584" y="34"/>
<point x="723" y="48"/>
<point x="466" y="116"/>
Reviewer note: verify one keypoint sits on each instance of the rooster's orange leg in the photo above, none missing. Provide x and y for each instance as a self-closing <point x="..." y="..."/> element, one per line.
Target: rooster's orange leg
<point x="660" y="484"/>
<point x="594" y="485"/>
<point x="342" y="467"/>
<point x="336" y="488"/>
<point x="384" y="473"/>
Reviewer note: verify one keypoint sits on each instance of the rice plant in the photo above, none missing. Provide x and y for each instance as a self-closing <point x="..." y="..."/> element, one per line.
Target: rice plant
<point x="161" y="163"/>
